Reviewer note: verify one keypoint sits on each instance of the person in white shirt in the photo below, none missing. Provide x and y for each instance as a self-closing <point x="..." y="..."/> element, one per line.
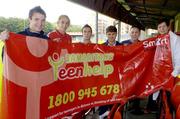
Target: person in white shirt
<point x="163" y="28"/>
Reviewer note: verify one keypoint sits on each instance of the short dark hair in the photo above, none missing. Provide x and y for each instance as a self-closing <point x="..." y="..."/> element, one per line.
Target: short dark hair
<point x="86" y="26"/>
<point x="163" y="20"/>
<point x="36" y="9"/>
<point x="111" y="29"/>
<point x="135" y="27"/>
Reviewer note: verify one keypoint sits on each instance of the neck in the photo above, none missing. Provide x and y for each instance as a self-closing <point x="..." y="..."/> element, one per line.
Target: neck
<point x="111" y="43"/>
<point x="33" y="31"/>
<point x="61" y="31"/>
<point x="134" y="41"/>
<point x="86" y="41"/>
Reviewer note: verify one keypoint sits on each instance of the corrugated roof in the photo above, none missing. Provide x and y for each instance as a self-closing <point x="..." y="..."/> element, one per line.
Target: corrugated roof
<point x="148" y="12"/>
<point x="142" y="13"/>
<point x="110" y="8"/>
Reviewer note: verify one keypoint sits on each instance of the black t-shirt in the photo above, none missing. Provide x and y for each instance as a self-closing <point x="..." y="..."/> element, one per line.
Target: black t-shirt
<point x="27" y="32"/>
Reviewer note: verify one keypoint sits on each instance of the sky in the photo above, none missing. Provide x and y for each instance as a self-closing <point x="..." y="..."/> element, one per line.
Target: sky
<point x="53" y="9"/>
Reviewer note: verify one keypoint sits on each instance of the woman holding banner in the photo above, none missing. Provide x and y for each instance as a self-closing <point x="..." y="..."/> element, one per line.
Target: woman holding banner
<point x="60" y="35"/>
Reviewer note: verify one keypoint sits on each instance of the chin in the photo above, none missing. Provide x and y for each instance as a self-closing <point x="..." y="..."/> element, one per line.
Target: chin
<point x="39" y="30"/>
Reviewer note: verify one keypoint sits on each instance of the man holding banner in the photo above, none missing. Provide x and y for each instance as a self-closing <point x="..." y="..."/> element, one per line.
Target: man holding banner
<point x="111" y="33"/>
<point x="162" y="28"/>
<point x="134" y="106"/>
<point x="37" y="18"/>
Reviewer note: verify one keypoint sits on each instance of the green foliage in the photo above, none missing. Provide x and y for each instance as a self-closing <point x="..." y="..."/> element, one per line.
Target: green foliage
<point x="16" y="25"/>
<point x="12" y="24"/>
<point x="48" y="27"/>
<point x="74" y="28"/>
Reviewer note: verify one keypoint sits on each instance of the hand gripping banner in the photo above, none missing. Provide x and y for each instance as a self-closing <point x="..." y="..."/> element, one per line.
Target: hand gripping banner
<point x="45" y="80"/>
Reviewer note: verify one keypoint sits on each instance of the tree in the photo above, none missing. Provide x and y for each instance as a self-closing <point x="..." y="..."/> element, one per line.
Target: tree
<point x="12" y="24"/>
<point x="48" y="27"/>
<point x="74" y="28"/>
<point x="17" y="24"/>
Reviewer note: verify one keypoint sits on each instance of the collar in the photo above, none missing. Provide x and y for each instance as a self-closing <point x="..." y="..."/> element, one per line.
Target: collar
<point x="114" y="44"/>
<point x="29" y="32"/>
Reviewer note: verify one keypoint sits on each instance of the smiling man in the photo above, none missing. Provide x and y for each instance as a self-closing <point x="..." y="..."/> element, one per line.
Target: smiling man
<point x="37" y="18"/>
<point x="111" y="33"/>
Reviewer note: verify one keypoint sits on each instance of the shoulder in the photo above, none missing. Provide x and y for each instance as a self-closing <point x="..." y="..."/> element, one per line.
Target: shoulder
<point x="23" y="32"/>
<point x="52" y="34"/>
<point x="126" y="42"/>
<point x="173" y="36"/>
<point x="118" y="43"/>
<point x="69" y="36"/>
<point x="105" y="43"/>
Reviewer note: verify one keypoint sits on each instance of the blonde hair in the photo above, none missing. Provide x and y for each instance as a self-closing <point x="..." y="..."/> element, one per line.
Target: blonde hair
<point x="64" y="16"/>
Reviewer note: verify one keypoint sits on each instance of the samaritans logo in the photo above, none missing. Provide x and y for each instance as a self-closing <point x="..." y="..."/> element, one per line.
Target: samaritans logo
<point x="157" y="42"/>
<point x="84" y="69"/>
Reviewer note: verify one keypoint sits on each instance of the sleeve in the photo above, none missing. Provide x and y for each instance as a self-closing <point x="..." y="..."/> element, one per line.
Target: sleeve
<point x="175" y="49"/>
<point x="52" y="35"/>
<point x="49" y="35"/>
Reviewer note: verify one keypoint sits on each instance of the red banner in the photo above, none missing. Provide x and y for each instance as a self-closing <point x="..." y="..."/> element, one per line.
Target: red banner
<point x="44" y="79"/>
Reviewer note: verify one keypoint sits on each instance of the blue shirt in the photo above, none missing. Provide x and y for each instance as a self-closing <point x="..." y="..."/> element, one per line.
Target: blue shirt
<point x="127" y="42"/>
<point x="115" y="44"/>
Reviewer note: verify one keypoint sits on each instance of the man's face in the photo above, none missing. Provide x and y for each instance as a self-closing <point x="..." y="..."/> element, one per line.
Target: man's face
<point x="37" y="22"/>
<point x="86" y="33"/>
<point x="63" y="24"/>
<point x="134" y="33"/>
<point x="162" y="28"/>
<point x="111" y="36"/>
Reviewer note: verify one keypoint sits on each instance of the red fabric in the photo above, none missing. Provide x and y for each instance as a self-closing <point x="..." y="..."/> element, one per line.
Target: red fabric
<point x="13" y="101"/>
<point x="106" y="75"/>
<point x="167" y="112"/>
<point x="65" y="38"/>
<point x="178" y="113"/>
<point x="176" y="97"/>
<point x="175" y="94"/>
<point x="117" y="115"/>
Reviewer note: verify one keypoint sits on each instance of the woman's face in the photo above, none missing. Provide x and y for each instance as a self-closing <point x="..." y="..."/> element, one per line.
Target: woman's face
<point x="87" y="33"/>
<point x="63" y="24"/>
